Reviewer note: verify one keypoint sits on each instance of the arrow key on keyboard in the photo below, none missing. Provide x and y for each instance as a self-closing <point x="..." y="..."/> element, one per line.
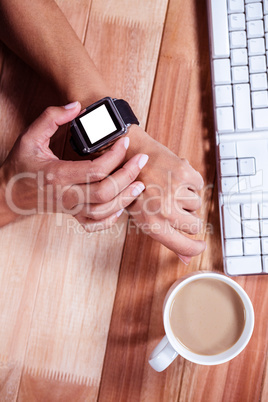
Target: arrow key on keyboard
<point x="252" y="246"/>
<point x="228" y="167"/>
<point x="251" y="228"/>
<point x="246" y="166"/>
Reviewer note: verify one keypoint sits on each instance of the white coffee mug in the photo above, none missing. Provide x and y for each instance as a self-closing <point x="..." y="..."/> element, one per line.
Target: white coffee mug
<point x="169" y="347"/>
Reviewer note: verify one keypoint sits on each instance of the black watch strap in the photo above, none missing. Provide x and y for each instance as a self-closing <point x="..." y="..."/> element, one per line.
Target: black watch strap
<point x="126" y="112"/>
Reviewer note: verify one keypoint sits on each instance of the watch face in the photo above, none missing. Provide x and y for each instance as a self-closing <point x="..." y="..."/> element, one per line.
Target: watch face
<point x="99" y="124"/>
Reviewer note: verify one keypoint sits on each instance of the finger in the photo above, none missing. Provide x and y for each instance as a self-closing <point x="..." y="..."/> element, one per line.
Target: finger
<point x="192" y="178"/>
<point x="175" y="240"/>
<point x="103" y="211"/>
<point x="93" y="226"/>
<point x="188" y="199"/>
<point x="89" y="171"/>
<point x="184" y="259"/>
<point x="109" y="188"/>
<point x="187" y="222"/>
<point x="48" y="122"/>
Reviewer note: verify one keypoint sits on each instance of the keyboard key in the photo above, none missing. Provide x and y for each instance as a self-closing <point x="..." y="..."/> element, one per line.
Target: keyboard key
<point x="251" y="228"/>
<point x="266" y="40"/>
<point x="252" y="246"/>
<point x="223" y="95"/>
<point x="259" y="99"/>
<point x="225" y="119"/>
<point x="228" y="167"/>
<point x="242" y="107"/>
<point x="249" y="211"/>
<point x="229" y="185"/>
<point x="265" y="263"/>
<point x="257" y="64"/>
<point x="254" y="11"/>
<point x="265" y="6"/>
<point x="266" y="23"/>
<point x="263" y="210"/>
<point x="258" y="82"/>
<point x="227" y="150"/>
<point x="260" y="119"/>
<point x="256" y="47"/>
<point x="219" y="25"/>
<point x="238" y="39"/>
<point x="233" y="247"/>
<point x="240" y="74"/>
<point x="255" y="29"/>
<point x="264" y="245"/>
<point x="235" y="6"/>
<point x="232" y="221"/>
<point x="264" y="227"/>
<point x="239" y="57"/>
<point x="246" y="166"/>
<point x="222" y="71"/>
<point x="237" y="22"/>
<point x="244" y="265"/>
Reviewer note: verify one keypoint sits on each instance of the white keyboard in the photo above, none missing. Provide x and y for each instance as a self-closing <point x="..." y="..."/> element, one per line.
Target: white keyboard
<point x="239" y="59"/>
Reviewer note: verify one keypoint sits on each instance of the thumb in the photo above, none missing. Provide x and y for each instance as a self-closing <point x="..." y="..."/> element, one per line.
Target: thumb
<point x="49" y="121"/>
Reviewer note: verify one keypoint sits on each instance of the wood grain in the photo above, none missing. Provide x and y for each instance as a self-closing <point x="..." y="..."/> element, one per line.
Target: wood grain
<point x="80" y="313"/>
<point x="185" y="125"/>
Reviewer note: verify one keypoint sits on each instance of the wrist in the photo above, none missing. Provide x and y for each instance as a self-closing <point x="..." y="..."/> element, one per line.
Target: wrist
<point x="140" y="141"/>
<point x="87" y="92"/>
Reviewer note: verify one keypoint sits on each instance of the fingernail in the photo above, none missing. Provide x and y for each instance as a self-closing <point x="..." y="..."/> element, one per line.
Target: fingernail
<point x="126" y="142"/>
<point x="138" y="189"/>
<point x="71" y="105"/>
<point x="143" y="160"/>
<point x="184" y="259"/>
<point x="118" y="213"/>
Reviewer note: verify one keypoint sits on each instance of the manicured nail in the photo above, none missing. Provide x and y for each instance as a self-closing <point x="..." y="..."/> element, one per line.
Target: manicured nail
<point x="138" y="189"/>
<point x="118" y="213"/>
<point x="143" y="160"/>
<point x="126" y="142"/>
<point x="71" y="105"/>
<point x="184" y="259"/>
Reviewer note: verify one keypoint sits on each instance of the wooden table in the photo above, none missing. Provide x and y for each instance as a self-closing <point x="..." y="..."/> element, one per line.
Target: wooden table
<point x="80" y="313"/>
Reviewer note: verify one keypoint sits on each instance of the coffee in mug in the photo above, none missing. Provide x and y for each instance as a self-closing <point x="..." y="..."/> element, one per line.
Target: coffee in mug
<point x="207" y="316"/>
<point x="208" y="319"/>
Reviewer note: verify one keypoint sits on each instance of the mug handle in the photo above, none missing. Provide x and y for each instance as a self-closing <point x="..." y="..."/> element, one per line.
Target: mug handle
<point x="163" y="355"/>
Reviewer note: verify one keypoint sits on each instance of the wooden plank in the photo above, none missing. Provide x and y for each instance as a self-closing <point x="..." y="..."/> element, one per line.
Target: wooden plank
<point x="185" y="125"/>
<point x="177" y="120"/>
<point x="20" y="262"/>
<point x="24" y="242"/>
<point x="123" y="39"/>
<point x="72" y="313"/>
<point x="77" y="13"/>
<point x="57" y="353"/>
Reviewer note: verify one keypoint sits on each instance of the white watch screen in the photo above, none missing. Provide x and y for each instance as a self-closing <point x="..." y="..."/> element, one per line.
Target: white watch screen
<point x="98" y="124"/>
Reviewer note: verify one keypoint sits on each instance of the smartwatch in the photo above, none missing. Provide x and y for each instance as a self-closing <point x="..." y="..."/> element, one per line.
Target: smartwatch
<point x="100" y="124"/>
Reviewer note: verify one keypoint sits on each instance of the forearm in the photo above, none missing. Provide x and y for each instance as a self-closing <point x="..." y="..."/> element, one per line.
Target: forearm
<point x="38" y="32"/>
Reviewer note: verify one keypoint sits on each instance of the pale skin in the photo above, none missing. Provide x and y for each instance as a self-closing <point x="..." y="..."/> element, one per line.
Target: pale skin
<point x="167" y="207"/>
